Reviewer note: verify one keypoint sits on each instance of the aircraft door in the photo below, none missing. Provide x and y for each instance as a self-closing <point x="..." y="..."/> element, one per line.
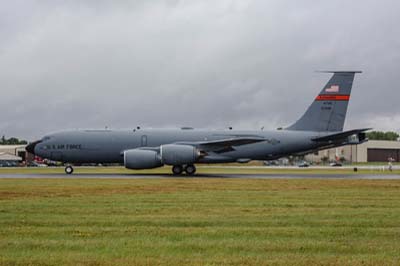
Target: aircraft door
<point x="144" y="141"/>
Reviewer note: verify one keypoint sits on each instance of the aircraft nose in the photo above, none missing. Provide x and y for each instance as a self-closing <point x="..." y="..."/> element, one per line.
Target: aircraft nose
<point x="31" y="147"/>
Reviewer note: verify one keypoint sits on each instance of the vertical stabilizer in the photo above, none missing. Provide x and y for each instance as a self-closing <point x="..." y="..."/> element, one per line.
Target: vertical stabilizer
<point x="328" y="111"/>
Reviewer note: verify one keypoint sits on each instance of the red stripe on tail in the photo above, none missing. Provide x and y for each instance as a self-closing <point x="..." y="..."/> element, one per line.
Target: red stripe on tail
<point x="332" y="97"/>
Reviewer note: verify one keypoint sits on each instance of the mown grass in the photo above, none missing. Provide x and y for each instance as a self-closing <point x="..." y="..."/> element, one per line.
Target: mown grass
<point x="201" y="169"/>
<point x="192" y="221"/>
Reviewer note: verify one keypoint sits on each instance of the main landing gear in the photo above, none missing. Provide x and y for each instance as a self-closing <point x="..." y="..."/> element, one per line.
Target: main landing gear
<point x="69" y="169"/>
<point x="190" y="169"/>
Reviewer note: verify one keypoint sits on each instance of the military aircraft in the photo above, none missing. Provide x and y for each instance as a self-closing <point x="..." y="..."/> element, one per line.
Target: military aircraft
<point x="320" y="127"/>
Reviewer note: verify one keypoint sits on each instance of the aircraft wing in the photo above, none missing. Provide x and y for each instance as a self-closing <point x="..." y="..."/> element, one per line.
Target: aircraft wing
<point x="223" y="145"/>
<point x="341" y="135"/>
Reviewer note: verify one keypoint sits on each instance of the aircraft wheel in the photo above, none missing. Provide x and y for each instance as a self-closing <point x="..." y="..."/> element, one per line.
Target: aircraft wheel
<point x="190" y="169"/>
<point x="177" y="169"/>
<point x="69" y="170"/>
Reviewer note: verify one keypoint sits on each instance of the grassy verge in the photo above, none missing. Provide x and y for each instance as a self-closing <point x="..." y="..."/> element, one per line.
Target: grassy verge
<point x="199" y="222"/>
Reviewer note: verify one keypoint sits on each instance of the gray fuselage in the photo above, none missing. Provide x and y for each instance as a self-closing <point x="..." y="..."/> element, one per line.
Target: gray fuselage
<point x="108" y="146"/>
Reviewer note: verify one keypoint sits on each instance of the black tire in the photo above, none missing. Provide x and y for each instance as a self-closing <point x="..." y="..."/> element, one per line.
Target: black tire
<point x="190" y="169"/>
<point x="69" y="170"/>
<point x="177" y="169"/>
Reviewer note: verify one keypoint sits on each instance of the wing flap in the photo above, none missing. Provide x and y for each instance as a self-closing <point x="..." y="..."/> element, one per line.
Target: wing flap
<point x="223" y="145"/>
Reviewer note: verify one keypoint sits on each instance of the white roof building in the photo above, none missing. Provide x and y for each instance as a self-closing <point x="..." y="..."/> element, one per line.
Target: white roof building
<point x="9" y="157"/>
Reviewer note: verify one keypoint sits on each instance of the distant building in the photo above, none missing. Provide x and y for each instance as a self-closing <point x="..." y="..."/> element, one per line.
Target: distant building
<point x="16" y="150"/>
<point x="371" y="151"/>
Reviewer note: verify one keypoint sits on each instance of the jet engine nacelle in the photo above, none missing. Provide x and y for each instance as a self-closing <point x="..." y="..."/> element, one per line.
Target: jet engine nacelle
<point x="173" y="154"/>
<point x="141" y="159"/>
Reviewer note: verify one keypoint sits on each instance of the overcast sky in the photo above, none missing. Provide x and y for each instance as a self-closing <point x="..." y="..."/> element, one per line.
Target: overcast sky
<point x="206" y="64"/>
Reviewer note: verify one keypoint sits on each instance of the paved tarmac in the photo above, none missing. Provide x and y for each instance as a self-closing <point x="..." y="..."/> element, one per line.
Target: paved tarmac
<point x="261" y="176"/>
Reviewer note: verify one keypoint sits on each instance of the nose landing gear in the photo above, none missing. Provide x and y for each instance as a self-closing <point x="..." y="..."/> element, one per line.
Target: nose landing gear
<point x="69" y="170"/>
<point x="190" y="169"/>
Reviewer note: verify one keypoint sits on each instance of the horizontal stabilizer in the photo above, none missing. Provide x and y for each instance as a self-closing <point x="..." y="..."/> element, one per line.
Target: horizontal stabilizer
<point x="341" y="135"/>
<point x="340" y="71"/>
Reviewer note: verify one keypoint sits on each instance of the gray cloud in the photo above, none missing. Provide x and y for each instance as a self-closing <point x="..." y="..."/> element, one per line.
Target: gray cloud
<point x="200" y="63"/>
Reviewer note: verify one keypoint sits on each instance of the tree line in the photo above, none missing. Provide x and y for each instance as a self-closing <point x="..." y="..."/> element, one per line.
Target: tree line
<point x="12" y="141"/>
<point x="380" y="135"/>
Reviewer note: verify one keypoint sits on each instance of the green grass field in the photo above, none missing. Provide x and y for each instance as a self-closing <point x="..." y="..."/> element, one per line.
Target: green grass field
<point x="202" y="169"/>
<point x="192" y="221"/>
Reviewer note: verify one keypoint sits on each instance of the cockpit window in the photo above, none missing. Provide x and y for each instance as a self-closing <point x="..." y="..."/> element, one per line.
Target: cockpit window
<point x="45" y="138"/>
